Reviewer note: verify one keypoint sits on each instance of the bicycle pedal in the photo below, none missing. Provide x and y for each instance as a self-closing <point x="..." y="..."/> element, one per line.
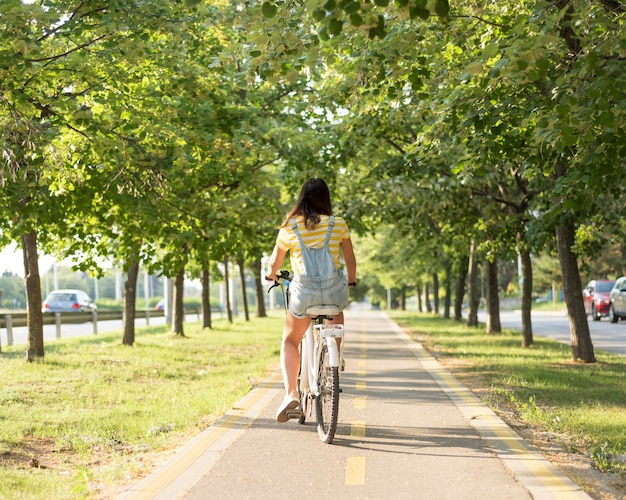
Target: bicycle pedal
<point x="294" y="413"/>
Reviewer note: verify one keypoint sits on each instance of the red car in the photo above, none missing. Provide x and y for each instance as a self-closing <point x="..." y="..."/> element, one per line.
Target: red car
<point x="596" y="298"/>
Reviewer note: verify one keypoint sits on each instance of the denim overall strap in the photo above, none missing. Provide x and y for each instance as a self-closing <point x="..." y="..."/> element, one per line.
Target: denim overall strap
<point x="331" y="224"/>
<point x="316" y="260"/>
<point x="329" y="232"/>
<point x="294" y="226"/>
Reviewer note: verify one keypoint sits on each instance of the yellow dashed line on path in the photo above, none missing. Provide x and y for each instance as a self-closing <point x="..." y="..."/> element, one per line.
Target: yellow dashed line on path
<point x="357" y="428"/>
<point x="359" y="402"/>
<point x="355" y="471"/>
<point x="355" y="466"/>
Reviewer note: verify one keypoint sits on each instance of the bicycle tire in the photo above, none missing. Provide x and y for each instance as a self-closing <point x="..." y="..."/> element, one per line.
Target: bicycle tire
<point x="327" y="403"/>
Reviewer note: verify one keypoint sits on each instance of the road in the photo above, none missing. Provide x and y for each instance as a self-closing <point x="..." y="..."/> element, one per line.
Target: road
<point x="20" y="334"/>
<point x="605" y="336"/>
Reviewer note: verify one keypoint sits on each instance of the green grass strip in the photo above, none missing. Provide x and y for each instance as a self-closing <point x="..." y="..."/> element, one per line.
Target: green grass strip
<point x="95" y="414"/>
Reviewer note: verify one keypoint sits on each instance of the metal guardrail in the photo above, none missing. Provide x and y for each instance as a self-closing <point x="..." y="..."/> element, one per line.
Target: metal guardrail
<point x="15" y="320"/>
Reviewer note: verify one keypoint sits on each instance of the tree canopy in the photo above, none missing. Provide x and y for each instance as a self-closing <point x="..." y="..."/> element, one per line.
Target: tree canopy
<point x="169" y="133"/>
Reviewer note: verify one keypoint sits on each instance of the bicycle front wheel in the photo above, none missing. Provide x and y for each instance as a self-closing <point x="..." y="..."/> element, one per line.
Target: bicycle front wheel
<point x="327" y="407"/>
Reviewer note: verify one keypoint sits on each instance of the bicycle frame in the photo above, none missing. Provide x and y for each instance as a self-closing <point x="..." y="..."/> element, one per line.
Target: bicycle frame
<point x="320" y="360"/>
<point x="310" y="352"/>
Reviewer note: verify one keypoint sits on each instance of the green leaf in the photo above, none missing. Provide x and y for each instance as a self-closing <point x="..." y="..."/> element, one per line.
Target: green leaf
<point x="562" y="109"/>
<point x="269" y="10"/>
<point x="319" y="14"/>
<point x="570" y="137"/>
<point x="379" y="30"/>
<point x="335" y="26"/>
<point x="543" y="65"/>
<point x="442" y="8"/>
<point x="474" y="68"/>
<point x="352" y="8"/>
<point x="356" y="19"/>
<point x="607" y="118"/>
<point x="490" y="50"/>
<point x="415" y="79"/>
<point x="330" y="5"/>
<point x="382" y="3"/>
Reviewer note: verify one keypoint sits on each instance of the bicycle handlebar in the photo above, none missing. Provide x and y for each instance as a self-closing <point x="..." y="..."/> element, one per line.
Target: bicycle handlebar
<point x="284" y="275"/>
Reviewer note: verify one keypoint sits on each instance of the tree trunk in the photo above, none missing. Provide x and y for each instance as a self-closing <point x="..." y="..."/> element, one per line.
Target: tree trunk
<point x="527" y="299"/>
<point x="436" y="293"/>
<point x="32" y="282"/>
<point x="206" y="298"/>
<point x="447" y="302"/>
<point x="177" y="303"/>
<point x="582" y="348"/>
<point x="418" y="294"/>
<point x="229" y="311"/>
<point x="493" y="298"/>
<point x="459" y="292"/>
<point x="403" y="298"/>
<point x="429" y="308"/>
<point x="242" y="277"/>
<point x="130" y="299"/>
<point x="260" y="295"/>
<point x="472" y="287"/>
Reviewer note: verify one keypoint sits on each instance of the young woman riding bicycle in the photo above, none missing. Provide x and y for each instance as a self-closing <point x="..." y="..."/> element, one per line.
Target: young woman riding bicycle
<point x="310" y="223"/>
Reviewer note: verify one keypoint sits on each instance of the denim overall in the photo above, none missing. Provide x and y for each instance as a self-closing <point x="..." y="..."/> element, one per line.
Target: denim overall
<point x="320" y="283"/>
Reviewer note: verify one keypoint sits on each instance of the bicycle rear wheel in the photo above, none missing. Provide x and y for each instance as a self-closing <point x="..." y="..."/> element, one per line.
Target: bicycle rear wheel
<point x="327" y="403"/>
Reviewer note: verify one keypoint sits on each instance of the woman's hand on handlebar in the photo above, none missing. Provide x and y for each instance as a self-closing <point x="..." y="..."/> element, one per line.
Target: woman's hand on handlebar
<point x="284" y="275"/>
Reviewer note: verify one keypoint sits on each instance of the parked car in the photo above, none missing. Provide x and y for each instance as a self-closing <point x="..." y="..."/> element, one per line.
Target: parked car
<point x="617" y="300"/>
<point x="68" y="301"/>
<point x="596" y="298"/>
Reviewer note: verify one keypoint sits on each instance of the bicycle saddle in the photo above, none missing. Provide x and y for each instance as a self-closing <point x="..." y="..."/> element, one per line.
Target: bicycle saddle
<point x="323" y="310"/>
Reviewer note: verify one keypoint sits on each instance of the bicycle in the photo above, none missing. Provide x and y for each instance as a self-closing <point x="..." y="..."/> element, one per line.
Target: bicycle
<point x="320" y="362"/>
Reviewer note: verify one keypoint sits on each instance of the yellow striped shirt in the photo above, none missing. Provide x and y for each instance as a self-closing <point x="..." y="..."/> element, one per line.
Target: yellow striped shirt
<point x="288" y="242"/>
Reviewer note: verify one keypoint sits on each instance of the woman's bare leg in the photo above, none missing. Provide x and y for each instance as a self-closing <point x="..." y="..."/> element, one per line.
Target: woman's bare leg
<point x="290" y="350"/>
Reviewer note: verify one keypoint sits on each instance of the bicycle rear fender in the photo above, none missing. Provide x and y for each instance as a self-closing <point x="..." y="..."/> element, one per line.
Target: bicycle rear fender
<point x="331" y="333"/>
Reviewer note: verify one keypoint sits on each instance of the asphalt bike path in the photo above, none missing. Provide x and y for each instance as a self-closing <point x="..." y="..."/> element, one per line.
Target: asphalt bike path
<point x="407" y="429"/>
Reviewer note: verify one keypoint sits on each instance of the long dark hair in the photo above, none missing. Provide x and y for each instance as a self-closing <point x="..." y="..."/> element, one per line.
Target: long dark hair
<point x="313" y="201"/>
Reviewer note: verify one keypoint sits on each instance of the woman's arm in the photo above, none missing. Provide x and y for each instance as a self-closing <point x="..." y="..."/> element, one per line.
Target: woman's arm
<point x="349" y="259"/>
<point x="276" y="260"/>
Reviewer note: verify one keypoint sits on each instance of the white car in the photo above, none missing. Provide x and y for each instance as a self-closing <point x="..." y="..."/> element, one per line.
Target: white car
<point x="68" y="301"/>
<point x="617" y="300"/>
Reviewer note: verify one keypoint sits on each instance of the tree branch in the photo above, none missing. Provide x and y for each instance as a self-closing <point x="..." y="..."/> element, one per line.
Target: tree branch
<point x="394" y="145"/>
<point x="64" y="54"/>
<point x="566" y="31"/>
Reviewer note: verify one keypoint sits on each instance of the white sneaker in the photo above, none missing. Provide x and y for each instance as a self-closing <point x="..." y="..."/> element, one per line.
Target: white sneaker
<point x="290" y="402"/>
